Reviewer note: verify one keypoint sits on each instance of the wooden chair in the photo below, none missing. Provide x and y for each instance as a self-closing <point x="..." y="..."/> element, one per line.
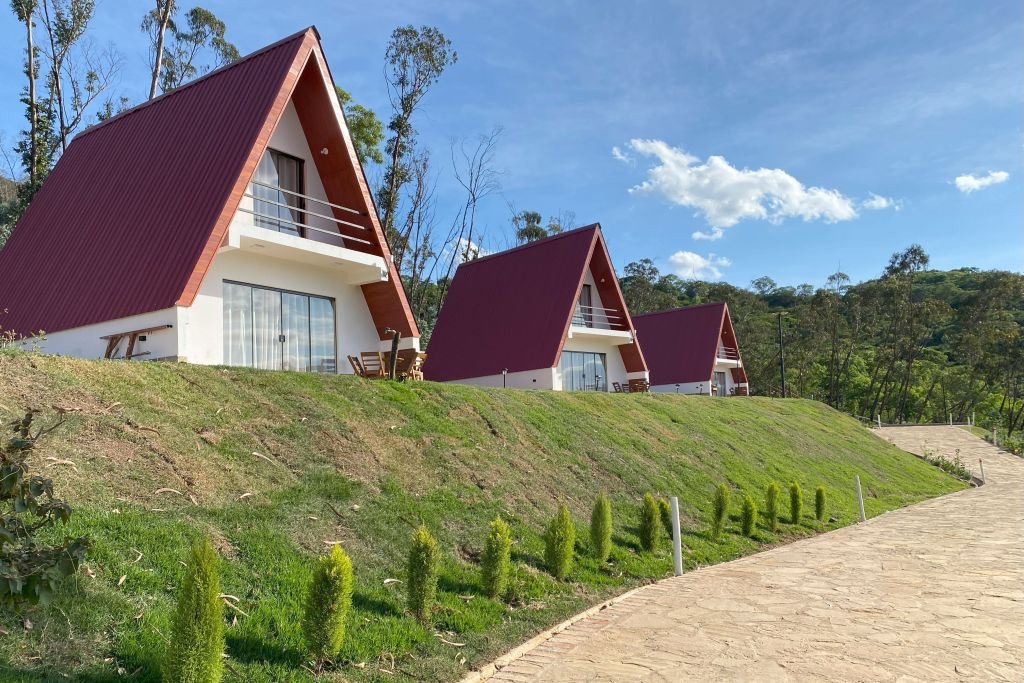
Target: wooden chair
<point x="617" y="387"/>
<point x="357" y="367"/>
<point x="373" y="364"/>
<point x="416" y="369"/>
<point x="639" y="386"/>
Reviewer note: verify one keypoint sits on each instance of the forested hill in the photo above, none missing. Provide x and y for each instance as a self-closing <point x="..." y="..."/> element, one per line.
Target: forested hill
<point x="911" y="345"/>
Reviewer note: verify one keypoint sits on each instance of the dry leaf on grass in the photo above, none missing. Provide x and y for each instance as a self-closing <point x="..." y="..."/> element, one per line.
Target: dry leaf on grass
<point x="167" y="490"/>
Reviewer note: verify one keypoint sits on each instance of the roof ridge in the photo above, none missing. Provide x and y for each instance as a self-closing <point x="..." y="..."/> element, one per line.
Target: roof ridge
<point x="681" y="308"/>
<point x="185" y="86"/>
<point x="523" y="247"/>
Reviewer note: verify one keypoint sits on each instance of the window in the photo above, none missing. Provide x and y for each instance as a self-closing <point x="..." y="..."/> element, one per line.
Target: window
<point x="584" y="314"/>
<point x="273" y="329"/>
<point x="279" y="179"/>
<point x="584" y="371"/>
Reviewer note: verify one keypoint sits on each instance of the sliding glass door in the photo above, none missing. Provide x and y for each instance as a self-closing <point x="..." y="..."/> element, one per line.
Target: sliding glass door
<point x="273" y="329"/>
<point x="584" y="371"/>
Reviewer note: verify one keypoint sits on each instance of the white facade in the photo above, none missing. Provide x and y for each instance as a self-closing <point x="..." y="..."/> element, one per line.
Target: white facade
<point x="316" y="265"/>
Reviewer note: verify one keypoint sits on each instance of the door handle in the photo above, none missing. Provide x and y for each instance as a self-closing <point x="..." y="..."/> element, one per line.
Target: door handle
<point x="281" y="338"/>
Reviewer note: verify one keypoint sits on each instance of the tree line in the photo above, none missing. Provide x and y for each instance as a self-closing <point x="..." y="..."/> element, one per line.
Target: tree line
<point x="912" y="345"/>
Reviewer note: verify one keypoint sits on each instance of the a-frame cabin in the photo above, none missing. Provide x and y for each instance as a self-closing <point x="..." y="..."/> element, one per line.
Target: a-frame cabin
<point x="225" y="222"/>
<point x="545" y="315"/>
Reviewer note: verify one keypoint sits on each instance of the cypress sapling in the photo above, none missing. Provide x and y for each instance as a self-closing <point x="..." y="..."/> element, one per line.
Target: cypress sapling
<point x="196" y="650"/>
<point x="327" y="605"/>
<point x="819" y="503"/>
<point x="559" y="540"/>
<point x="796" y="502"/>
<point x="601" y="528"/>
<point x="749" y="515"/>
<point x="771" y="506"/>
<point x="650" y="524"/>
<point x="422" y="579"/>
<point x="496" y="560"/>
<point x="721" y="510"/>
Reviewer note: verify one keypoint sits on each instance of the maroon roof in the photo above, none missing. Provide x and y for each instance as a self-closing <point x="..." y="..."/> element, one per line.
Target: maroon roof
<point x="512" y="309"/>
<point x="125" y="220"/>
<point x="681" y="344"/>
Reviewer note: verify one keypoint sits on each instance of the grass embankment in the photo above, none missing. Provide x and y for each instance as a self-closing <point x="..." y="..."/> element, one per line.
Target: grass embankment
<point x="363" y="463"/>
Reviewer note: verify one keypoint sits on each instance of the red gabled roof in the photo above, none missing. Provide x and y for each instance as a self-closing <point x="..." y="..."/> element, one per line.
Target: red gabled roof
<point x="681" y="344"/>
<point x="513" y="309"/>
<point x="133" y="213"/>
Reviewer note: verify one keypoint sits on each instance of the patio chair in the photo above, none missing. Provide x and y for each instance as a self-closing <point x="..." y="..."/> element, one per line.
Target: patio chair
<point x="373" y="364"/>
<point x="617" y="387"/>
<point x="639" y="386"/>
<point x="357" y="367"/>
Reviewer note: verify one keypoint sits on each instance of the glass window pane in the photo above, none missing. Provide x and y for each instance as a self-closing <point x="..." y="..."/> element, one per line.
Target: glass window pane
<point x="266" y="317"/>
<point x="237" y="324"/>
<point x="295" y="328"/>
<point x="321" y="333"/>
<point x="280" y="172"/>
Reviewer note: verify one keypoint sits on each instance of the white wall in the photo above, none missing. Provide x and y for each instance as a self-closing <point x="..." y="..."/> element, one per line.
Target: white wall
<point x="85" y="342"/>
<point x="529" y="379"/>
<point x="204" y="320"/>
<point x="700" y="387"/>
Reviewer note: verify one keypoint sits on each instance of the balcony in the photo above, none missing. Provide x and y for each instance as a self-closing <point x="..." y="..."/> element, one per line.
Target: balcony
<point x="595" y="322"/>
<point x="276" y="222"/>
<point x="728" y="357"/>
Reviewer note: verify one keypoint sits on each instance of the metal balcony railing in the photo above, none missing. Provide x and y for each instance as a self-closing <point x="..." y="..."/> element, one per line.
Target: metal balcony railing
<point x="281" y="210"/>
<point x="725" y="353"/>
<point x="598" y="318"/>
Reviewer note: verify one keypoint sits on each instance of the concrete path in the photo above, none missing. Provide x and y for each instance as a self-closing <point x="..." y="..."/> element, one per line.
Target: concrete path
<point x="932" y="592"/>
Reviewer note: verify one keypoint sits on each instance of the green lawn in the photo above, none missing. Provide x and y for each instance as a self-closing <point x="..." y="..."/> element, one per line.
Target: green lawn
<point x="275" y="466"/>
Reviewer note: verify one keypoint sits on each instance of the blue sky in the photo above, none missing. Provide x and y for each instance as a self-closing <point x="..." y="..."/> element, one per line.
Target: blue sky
<point x="801" y="136"/>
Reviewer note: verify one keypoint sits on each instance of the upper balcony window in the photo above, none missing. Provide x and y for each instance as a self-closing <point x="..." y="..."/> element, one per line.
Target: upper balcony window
<point x="277" y="193"/>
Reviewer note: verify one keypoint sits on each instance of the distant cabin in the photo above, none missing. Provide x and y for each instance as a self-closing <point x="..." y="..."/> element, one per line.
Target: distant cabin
<point x="545" y="315"/>
<point x="693" y="350"/>
<point x="227" y="221"/>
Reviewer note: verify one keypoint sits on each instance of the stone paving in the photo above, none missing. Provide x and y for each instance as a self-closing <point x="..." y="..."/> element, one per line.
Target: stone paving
<point x="932" y="592"/>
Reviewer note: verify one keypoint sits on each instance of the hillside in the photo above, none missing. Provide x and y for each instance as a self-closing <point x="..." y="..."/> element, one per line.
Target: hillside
<point x="274" y="466"/>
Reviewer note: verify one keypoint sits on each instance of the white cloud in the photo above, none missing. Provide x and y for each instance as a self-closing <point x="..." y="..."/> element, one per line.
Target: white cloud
<point x="724" y="195"/>
<point x="968" y="183"/>
<point x="877" y="202"/>
<point x="691" y="266"/>
<point x="618" y="154"/>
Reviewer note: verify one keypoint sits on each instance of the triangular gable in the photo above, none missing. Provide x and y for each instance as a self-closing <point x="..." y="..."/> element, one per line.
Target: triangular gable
<point x="134" y="212"/>
<point x="599" y="263"/>
<point x="728" y="335"/>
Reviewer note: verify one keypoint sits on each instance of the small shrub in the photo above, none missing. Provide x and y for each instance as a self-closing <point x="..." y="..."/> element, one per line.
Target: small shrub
<point x="749" y="515"/>
<point x="496" y="560"/>
<point x="721" y="510"/>
<point x="327" y="605"/>
<point x="665" y="508"/>
<point x="422" y="579"/>
<point x="650" y="524"/>
<point x="559" y="540"/>
<point x="771" y="506"/>
<point x="796" y="502"/>
<point x="196" y="651"/>
<point x="601" y="528"/>
<point x="819" y="503"/>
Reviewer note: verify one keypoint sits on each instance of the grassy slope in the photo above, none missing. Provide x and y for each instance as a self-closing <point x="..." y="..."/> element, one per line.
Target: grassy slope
<point x="363" y="463"/>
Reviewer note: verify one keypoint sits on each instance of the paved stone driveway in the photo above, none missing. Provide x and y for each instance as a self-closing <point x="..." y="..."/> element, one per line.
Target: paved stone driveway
<point x="932" y="592"/>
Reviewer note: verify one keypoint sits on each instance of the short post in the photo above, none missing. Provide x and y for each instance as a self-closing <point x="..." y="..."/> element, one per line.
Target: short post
<point x="677" y="542"/>
<point x="951" y="419"/>
<point x="995" y="436"/>
<point x="860" y="497"/>
<point x="981" y="466"/>
<point x="878" y="419"/>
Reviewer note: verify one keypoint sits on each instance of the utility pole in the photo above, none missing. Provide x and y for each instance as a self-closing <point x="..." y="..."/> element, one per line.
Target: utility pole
<point x="782" y="357"/>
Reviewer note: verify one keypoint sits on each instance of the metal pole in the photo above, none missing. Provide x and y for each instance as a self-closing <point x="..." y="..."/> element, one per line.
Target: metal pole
<point x="860" y="497"/>
<point x="677" y="542"/>
<point x="782" y="357"/>
<point x="982" y="466"/>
